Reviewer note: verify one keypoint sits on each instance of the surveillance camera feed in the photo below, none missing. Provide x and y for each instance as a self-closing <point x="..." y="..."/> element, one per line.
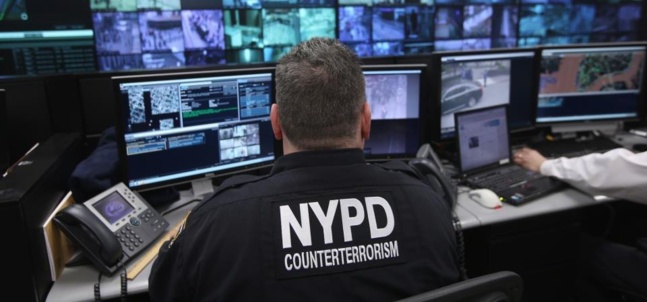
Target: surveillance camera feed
<point x="586" y="84"/>
<point x="475" y="27"/>
<point x="13" y="10"/>
<point x="393" y="92"/>
<point x="477" y="80"/>
<point x="199" y="125"/>
<point x="187" y="33"/>
<point x="153" y="34"/>
<point x="566" y="23"/>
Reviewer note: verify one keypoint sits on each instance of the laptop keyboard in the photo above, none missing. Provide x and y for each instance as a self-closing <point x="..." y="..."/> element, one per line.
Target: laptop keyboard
<point x="573" y="148"/>
<point x="502" y="178"/>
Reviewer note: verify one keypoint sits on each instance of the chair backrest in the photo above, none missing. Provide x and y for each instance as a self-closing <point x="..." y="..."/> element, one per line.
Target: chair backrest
<point x="503" y="286"/>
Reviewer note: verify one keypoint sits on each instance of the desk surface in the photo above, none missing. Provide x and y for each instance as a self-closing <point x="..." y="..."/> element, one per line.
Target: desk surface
<point x="77" y="283"/>
<point x="472" y="214"/>
<point x="562" y="200"/>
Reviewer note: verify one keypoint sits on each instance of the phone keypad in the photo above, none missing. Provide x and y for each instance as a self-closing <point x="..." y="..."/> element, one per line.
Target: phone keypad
<point x="129" y="239"/>
<point x="147" y="226"/>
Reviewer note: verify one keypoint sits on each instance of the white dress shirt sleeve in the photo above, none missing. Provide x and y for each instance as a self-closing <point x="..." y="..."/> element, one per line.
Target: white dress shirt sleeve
<point x="618" y="173"/>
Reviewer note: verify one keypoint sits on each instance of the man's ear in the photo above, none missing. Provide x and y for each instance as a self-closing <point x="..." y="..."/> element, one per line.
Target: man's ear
<point x="366" y="121"/>
<point x="276" y="122"/>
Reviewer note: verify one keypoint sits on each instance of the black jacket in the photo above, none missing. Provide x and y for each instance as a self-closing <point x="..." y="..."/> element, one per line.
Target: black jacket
<point x="322" y="226"/>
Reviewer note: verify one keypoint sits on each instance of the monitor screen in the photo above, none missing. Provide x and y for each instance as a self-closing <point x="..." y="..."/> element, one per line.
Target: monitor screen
<point x="386" y="28"/>
<point x="470" y="80"/>
<point x="113" y="207"/>
<point x="394" y="93"/>
<point x="39" y="37"/>
<point x="590" y="83"/>
<point x="179" y="127"/>
<point x="482" y="138"/>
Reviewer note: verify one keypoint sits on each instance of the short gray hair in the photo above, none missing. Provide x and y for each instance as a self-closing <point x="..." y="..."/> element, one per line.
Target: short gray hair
<point x="320" y="90"/>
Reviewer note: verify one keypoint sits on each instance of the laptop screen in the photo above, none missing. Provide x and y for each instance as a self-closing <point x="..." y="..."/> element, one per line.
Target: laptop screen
<point x="482" y="138"/>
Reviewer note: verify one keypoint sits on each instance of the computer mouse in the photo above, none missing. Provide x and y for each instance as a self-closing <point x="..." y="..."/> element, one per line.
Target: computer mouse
<point x="640" y="147"/>
<point x="485" y="197"/>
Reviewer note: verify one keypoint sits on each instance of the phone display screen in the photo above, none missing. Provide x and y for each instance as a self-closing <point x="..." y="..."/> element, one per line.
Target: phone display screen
<point x="113" y="207"/>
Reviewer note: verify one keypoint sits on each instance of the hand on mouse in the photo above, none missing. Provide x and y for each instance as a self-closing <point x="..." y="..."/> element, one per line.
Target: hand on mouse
<point x="529" y="159"/>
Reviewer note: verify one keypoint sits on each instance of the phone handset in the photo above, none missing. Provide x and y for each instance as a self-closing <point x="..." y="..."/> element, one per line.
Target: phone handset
<point x="426" y="151"/>
<point x="93" y="237"/>
<point x="431" y="168"/>
<point x="111" y="227"/>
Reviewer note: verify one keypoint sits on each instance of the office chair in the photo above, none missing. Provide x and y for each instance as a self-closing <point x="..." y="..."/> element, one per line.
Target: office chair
<point x="503" y="286"/>
<point x="624" y="294"/>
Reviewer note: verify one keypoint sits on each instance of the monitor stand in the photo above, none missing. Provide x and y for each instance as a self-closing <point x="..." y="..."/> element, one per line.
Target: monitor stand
<point x="201" y="188"/>
<point x="572" y="130"/>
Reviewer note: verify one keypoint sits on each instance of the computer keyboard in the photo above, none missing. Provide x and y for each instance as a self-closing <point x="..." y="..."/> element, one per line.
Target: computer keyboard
<point x="502" y="178"/>
<point x="574" y="147"/>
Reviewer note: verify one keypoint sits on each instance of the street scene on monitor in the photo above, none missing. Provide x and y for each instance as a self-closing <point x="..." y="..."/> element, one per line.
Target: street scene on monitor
<point x="471" y="85"/>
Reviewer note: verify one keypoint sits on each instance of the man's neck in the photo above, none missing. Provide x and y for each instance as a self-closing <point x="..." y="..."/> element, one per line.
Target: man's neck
<point x="290" y="148"/>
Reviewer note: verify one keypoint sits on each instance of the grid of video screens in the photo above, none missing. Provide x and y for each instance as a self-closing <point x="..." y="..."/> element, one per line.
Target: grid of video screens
<point x="479" y="79"/>
<point x="570" y="22"/>
<point x="476" y="25"/>
<point x="181" y="127"/>
<point x="590" y="83"/>
<point x="394" y="93"/>
<point x="153" y="34"/>
<point x="173" y="33"/>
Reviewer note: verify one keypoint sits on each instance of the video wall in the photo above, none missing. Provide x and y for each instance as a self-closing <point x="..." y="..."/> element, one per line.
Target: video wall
<point x="154" y="34"/>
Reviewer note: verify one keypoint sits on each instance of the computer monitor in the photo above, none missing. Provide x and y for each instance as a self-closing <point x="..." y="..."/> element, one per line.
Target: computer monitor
<point x="39" y="37"/>
<point x="394" y="93"/>
<point x="477" y="79"/>
<point x="193" y="126"/>
<point x="590" y="87"/>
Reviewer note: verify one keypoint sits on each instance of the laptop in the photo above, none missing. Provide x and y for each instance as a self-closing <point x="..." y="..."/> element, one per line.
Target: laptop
<point x="485" y="157"/>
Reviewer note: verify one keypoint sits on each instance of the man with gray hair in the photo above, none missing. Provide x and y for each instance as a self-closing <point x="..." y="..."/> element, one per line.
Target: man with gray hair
<point x="323" y="225"/>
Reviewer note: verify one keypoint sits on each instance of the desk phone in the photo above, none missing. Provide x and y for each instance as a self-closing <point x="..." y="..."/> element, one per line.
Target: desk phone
<point x="113" y="226"/>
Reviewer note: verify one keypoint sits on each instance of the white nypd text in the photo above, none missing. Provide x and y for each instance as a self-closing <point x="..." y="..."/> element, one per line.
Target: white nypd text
<point x="363" y="213"/>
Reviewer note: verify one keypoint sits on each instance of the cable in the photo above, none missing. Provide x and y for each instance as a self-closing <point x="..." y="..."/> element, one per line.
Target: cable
<point x="609" y="226"/>
<point x="97" y="289"/>
<point x="124" y="283"/>
<point x="180" y="206"/>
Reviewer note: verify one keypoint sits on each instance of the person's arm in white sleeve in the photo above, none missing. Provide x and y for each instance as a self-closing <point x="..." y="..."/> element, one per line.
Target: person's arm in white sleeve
<point x="618" y="173"/>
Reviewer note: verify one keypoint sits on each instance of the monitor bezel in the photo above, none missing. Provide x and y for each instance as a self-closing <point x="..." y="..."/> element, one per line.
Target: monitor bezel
<point x="602" y="122"/>
<point x="120" y="122"/>
<point x="423" y="94"/>
<point x="436" y="78"/>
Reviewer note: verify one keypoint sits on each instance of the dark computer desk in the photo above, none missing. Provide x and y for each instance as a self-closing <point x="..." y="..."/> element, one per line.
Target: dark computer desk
<point x="77" y="283"/>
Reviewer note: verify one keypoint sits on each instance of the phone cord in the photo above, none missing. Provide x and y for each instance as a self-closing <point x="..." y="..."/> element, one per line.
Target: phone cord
<point x="124" y="287"/>
<point x="124" y="283"/>
<point x="97" y="289"/>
